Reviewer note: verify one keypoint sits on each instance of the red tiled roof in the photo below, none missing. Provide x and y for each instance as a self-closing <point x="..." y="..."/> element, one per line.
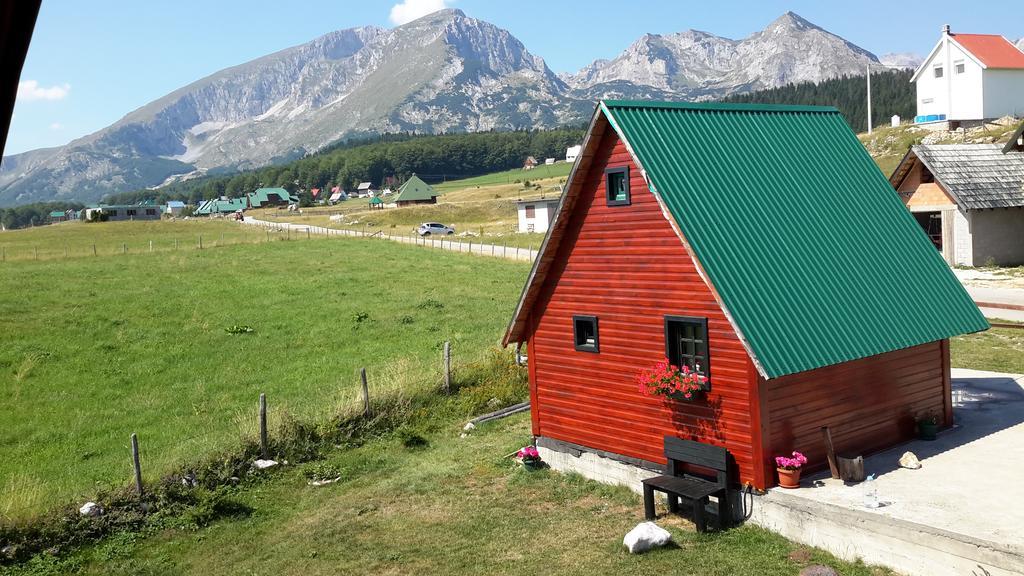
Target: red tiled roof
<point x="993" y="50"/>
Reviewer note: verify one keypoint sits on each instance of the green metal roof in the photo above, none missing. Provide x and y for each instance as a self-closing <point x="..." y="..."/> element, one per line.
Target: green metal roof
<point x="812" y="254"/>
<point x="415" y="189"/>
<point x="376" y="200"/>
<point x="221" y="206"/>
<point x="262" y="195"/>
<point x="57" y="214"/>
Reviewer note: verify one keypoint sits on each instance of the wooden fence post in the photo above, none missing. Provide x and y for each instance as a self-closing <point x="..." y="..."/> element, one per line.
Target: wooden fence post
<point x="135" y="463"/>
<point x="307" y="232"/>
<point x="263" y="426"/>
<point x="366" y="393"/>
<point x="175" y="243"/>
<point x="447" y="366"/>
<point x="35" y="250"/>
<point x="200" y="241"/>
<point x="150" y="246"/>
<point x="470" y="247"/>
<point x="4" y="253"/>
<point x="94" y="249"/>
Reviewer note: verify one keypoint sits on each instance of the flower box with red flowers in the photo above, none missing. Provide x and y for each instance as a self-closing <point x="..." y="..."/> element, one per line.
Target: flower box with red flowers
<point x="669" y="381"/>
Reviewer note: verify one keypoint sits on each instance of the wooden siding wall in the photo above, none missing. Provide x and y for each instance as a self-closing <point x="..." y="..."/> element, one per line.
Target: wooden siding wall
<point x="625" y="265"/>
<point x="869" y="404"/>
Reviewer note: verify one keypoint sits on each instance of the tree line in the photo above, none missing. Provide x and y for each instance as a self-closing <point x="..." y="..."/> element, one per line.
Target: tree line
<point x="891" y="93"/>
<point x="33" y="214"/>
<point x="434" y="158"/>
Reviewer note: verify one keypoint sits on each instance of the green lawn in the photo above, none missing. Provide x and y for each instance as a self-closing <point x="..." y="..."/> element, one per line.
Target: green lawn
<point x="77" y="239"/>
<point x="98" y="348"/>
<point x="997" y="349"/>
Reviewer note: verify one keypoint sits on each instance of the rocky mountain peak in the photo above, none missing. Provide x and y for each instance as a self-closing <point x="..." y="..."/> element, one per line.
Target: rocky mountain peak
<point x="443" y="72"/>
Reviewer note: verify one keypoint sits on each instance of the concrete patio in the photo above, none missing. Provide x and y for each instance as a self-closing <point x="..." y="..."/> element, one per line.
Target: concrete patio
<point x="960" y="513"/>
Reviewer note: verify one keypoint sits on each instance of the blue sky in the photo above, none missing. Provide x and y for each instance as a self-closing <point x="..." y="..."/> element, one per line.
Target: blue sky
<point x="91" y="63"/>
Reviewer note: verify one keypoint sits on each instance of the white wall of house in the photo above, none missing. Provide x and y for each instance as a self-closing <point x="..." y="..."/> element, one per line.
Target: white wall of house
<point x="1004" y="93"/>
<point x="572" y="152"/>
<point x="539" y="218"/>
<point x="963" y="254"/>
<point x="958" y="91"/>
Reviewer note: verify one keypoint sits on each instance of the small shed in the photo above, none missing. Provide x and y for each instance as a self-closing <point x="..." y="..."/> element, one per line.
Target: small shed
<point x="530" y="163"/>
<point x="758" y="245"/>
<point x="535" y="215"/>
<point x="376" y="203"/>
<point x="365" y="190"/>
<point x="337" y="195"/>
<point x="968" y="198"/>
<point x="415" y="191"/>
<point x="174" y="207"/>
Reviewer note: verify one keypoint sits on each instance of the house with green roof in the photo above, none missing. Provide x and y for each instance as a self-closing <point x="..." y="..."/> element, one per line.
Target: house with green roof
<point x="759" y="251"/>
<point x="57" y="216"/>
<point x="221" y="206"/>
<point x="263" y="197"/>
<point x="415" y="191"/>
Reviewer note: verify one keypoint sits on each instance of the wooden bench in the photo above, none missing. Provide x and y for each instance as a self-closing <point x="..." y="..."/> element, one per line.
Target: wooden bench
<point x="694" y="489"/>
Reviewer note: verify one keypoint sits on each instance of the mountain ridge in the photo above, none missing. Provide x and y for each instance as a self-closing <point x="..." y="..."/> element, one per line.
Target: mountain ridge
<point x="445" y="72"/>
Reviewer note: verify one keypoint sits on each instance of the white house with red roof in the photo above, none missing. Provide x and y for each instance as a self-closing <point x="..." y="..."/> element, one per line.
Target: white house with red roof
<point x="970" y="77"/>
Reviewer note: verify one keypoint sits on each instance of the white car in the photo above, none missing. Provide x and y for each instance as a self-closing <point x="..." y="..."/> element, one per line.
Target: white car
<point x="428" y="228"/>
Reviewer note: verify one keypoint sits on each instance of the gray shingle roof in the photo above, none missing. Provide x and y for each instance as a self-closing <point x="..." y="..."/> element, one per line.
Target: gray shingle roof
<point x="977" y="175"/>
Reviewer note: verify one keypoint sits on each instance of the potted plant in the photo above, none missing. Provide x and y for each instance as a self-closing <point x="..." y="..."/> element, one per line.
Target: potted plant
<point x="927" y="426"/>
<point x="529" y="457"/>
<point x="788" y="468"/>
<point x="668" y="381"/>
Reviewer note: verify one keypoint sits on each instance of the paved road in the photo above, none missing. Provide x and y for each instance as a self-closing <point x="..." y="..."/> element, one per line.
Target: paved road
<point x="442" y="243"/>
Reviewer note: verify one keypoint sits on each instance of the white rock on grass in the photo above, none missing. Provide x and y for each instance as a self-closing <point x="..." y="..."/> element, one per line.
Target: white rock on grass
<point x="645" y="536"/>
<point x="264" y="464"/>
<point x="324" y="482"/>
<point x="469" y="427"/>
<point x="90" y="509"/>
<point x="909" y="460"/>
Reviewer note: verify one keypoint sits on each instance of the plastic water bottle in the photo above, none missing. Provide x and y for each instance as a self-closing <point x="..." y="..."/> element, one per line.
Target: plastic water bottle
<point x="870" y="492"/>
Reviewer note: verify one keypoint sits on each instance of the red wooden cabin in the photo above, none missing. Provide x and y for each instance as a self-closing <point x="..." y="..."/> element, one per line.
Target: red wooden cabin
<point x="758" y="244"/>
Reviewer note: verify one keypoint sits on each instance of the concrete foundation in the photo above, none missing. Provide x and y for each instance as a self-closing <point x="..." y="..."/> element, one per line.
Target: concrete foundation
<point x="959" y="514"/>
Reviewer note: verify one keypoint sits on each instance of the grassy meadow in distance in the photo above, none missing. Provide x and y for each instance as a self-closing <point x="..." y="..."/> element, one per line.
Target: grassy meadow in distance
<point x="97" y="348"/>
<point x="117" y="238"/>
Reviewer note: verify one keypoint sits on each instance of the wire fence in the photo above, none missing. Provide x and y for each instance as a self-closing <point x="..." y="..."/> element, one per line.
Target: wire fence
<point x="271" y="232"/>
<point x="453" y="243"/>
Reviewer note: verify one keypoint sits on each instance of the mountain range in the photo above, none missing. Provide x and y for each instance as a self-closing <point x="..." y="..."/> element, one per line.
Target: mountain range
<point x="445" y="72"/>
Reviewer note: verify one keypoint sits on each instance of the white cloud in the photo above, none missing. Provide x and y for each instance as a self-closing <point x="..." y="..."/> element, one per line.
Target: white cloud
<point x="56" y="126"/>
<point x="31" y="90"/>
<point x="409" y="10"/>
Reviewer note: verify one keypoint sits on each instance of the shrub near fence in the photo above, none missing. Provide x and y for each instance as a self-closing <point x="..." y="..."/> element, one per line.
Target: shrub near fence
<point x="200" y="491"/>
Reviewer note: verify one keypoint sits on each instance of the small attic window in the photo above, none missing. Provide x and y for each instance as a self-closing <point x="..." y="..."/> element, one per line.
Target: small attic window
<point x="584" y="333"/>
<point x="938" y="72"/>
<point x="959" y="67"/>
<point x="926" y="176"/>
<point x="616" y="182"/>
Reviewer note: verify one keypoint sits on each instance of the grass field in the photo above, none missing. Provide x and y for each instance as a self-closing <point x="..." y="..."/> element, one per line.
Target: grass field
<point x="455" y="506"/>
<point x="544" y="171"/>
<point x="97" y="348"/>
<point x="76" y="239"/>
<point x="997" y="349"/>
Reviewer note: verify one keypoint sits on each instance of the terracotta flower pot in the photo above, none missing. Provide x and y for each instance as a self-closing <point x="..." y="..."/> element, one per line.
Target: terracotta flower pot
<point x="789" y="478"/>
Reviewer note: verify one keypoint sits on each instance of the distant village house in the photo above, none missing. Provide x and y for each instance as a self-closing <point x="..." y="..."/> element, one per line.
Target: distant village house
<point x="572" y="152"/>
<point x="968" y="198"/>
<point x="969" y="78"/>
<point x="415" y="191"/>
<point x="536" y="215"/>
<point x="530" y="163"/>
